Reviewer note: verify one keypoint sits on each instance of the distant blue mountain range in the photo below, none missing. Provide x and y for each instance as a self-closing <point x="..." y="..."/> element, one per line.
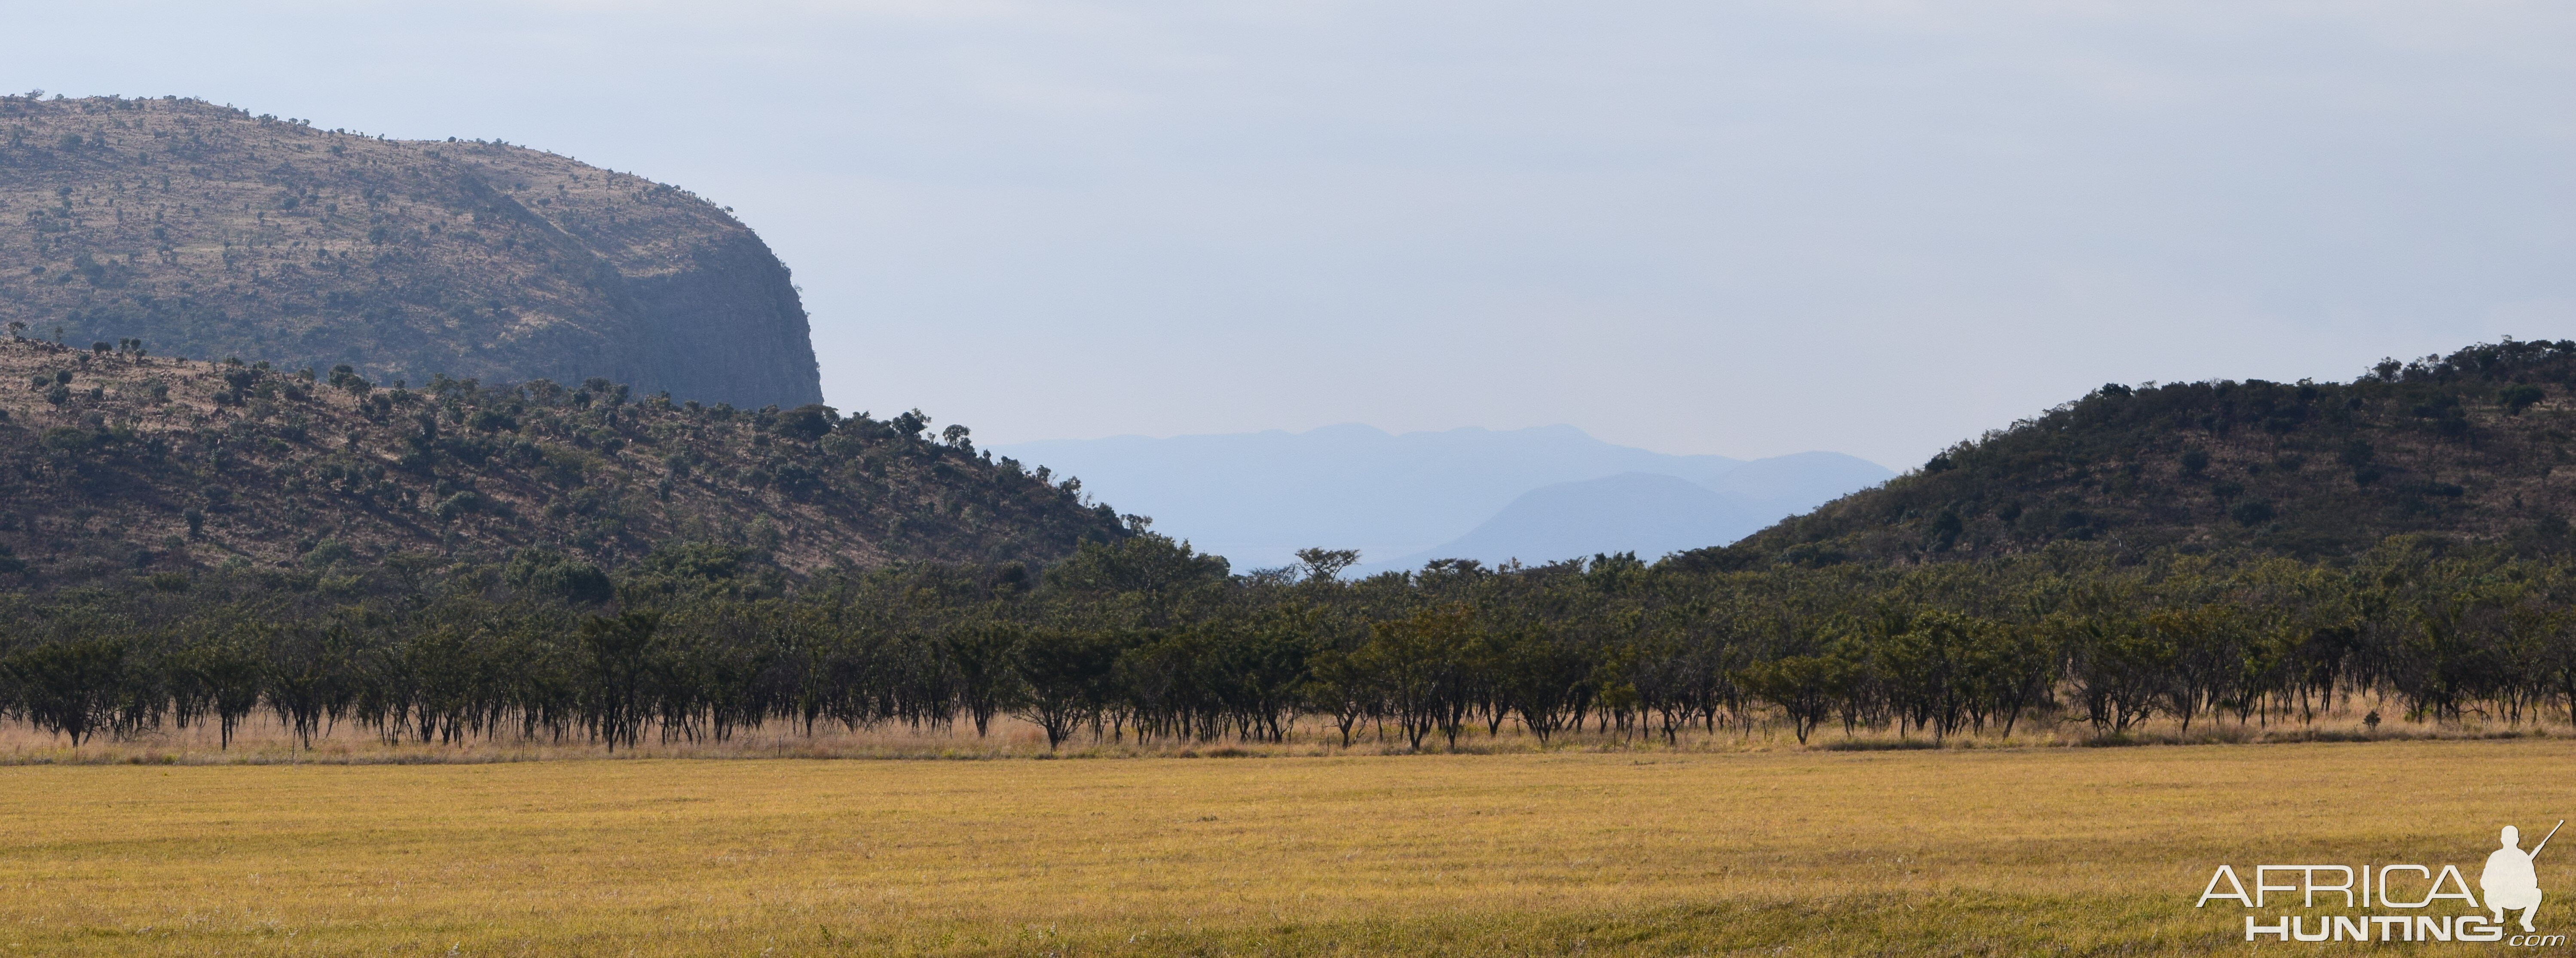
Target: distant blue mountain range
<point x="1538" y="495"/>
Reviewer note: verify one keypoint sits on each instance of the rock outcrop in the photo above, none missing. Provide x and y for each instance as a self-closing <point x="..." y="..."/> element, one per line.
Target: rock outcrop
<point x="208" y="232"/>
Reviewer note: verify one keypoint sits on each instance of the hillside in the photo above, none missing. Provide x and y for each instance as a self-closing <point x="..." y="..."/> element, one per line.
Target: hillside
<point x="115" y="461"/>
<point x="208" y="232"/>
<point x="2465" y="446"/>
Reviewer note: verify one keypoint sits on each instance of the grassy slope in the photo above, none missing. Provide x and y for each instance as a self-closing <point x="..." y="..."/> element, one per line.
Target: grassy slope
<point x="2309" y="469"/>
<point x="101" y="485"/>
<point x="2076" y="851"/>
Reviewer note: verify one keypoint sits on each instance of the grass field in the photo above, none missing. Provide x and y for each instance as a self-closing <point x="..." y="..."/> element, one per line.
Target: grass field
<point x="2004" y="851"/>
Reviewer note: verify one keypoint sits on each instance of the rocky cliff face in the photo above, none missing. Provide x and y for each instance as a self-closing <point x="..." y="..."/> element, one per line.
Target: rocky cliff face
<point x="205" y="231"/>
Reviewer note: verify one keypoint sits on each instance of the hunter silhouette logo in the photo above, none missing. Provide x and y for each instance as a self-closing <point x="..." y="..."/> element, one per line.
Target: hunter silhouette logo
<point x="2509" y="883"/>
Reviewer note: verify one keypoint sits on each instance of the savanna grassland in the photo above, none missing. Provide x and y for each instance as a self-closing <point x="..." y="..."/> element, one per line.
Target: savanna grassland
<point x="2003" y="851"/>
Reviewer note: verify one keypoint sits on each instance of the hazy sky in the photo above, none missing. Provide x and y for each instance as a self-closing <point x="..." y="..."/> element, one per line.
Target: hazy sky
<point x="1744" y="228"/>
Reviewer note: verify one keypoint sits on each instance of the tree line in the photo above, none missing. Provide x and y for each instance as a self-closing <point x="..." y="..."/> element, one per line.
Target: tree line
<point x="1146" y="639"/>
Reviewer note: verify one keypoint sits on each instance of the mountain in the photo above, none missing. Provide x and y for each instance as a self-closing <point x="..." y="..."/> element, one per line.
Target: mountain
<point x="1258" y="497"/>
<point x="115" y="461"/>
<point x="2465" y="447"/>
<point x="1631" y="512"/>
<point x="1652" y="514"/>
<point x="1797" y="482"/>
<point x="208" y="232"/>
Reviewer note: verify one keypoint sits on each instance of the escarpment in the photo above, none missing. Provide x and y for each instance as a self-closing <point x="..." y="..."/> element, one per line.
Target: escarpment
<point x="209" y="232"/>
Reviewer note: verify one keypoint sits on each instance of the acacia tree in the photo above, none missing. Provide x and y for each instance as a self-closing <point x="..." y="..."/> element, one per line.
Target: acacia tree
<point x="1543" y="678"/>
<point x="1421" y="661"/>
<point x="614" y="702"/>
<point x="1805" y="687"/>
<point x="1343" y="685"/>
<point x="979" y="656"/>
<point x="69" y="686"/>
<point x="1065" y="673"/>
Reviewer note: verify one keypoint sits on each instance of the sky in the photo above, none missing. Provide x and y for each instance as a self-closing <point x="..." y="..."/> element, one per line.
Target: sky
<point x="1742" y="228"/>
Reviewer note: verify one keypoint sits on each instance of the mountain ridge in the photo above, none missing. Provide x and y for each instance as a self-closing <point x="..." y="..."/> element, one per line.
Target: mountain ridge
<point x="1650" y="514"/>
<point x="1631" y="513"/>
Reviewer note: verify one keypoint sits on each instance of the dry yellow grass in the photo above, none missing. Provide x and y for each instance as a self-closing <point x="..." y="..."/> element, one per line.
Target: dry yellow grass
<point x="2011" y="851"/>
